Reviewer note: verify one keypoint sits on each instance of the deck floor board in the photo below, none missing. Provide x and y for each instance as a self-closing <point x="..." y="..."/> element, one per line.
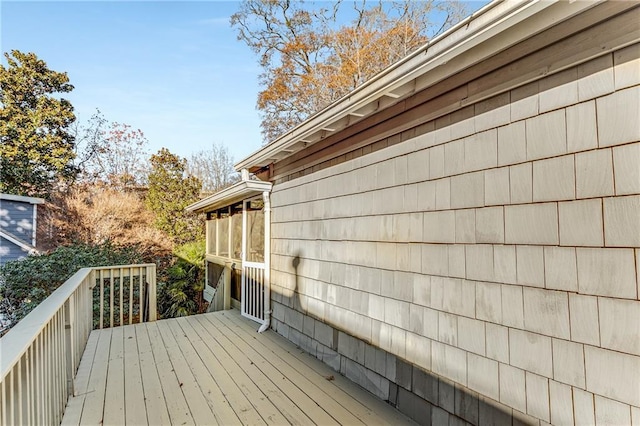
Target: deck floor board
<point x="134" y="395"/>
<point x="266" y="408"/>
<point x="304" y="390"/>
<point x="357" y="400"/>
<point x="212" y="369"/>
<point x="154" y="402"/>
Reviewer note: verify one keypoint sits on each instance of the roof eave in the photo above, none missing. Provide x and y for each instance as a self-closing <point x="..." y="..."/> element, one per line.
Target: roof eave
<point x="436" y="56"/>
<point x="240" y="191"/>
<point x="21" y="198"/>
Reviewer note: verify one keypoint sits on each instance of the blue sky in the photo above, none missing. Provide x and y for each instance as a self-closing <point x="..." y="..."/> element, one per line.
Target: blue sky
<point x="175" y="70"/>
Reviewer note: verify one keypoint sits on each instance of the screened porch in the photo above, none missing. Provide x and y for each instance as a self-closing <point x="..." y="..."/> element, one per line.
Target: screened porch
<point x="237" y="249"/>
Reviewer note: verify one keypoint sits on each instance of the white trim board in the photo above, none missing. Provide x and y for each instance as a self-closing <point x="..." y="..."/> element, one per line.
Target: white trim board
<point x="21" y="198"/>
<point x="17" y="241"/>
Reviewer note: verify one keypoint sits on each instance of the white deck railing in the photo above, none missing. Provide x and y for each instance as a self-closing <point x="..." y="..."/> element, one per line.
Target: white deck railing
<point x="39" y="357"/>
<point x="252" y="300"/>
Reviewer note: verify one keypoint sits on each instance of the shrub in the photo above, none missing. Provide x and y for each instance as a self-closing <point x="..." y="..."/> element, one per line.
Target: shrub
<point x="180" y="288"/>
<point x="27" y="282"/>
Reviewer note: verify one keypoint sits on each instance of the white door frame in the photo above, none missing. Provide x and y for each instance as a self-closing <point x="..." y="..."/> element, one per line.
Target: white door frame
<point x="254" y="276"/>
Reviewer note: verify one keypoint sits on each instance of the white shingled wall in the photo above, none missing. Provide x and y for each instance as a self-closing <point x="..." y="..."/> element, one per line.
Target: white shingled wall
<point x="500" y="253"/>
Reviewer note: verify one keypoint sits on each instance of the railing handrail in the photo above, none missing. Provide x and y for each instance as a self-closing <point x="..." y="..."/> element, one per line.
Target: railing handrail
<point x="22" y="335"/>
<point x="17" y="340"/>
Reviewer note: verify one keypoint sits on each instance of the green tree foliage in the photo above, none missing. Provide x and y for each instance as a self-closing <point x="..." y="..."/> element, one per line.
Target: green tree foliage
<point x="171" y="190"/>
<point x="181" y="290"/>
<point x="37" y="148"/>
<point x="27" y="282"/>
<point x="311" y="58"/>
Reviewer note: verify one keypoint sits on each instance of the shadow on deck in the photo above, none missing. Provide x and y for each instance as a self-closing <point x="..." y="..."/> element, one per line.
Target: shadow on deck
<point x="212" y="369"/>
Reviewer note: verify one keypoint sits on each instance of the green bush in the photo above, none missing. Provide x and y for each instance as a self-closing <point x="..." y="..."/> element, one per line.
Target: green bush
<point x="27" y="282"/>
<point x="180" y="288"/>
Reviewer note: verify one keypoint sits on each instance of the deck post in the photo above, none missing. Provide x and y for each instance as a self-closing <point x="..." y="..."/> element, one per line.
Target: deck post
<point x="267" y="262"/>
<point x="70" y="349"/>
<point x="152" y="294"/>
<point x="227" y="271"/>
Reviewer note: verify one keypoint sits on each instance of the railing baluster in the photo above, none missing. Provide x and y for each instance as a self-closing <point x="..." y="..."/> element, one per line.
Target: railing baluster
<point x="141" y="306"/>
<point x="40" y="379"/>
<point x="13" y="399"/>
<point x="53" y="355"/>
<point x="3" y="403"/>
<point x="46" y="347"/>
<point x="56" y="364"/>
<point x="130" y="295"/>
<point x="140" y="293"/>
<point x="153" y="294"/>
<point x="19" y="401"/>
<point x="111" y="298"/>
<point x="55" y="326"/>
<point x="57" y="390"/>
<point x="59" y="373"/>
<point x="63" y="360"/>
<point x="68" y="343"/>
<point x="253" y="291"/>
<point x="6" y="392"/>
<point x="43" y="377"/>
<point x="101" y="299"/>
<point x="259" y="294"/>
<point x="120" y="302"/>
<point x="31" y="394"/>
<point x="52" y="370"/>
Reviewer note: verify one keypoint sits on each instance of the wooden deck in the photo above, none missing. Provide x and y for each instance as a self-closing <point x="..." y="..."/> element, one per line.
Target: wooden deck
<point x="212" y="369"/>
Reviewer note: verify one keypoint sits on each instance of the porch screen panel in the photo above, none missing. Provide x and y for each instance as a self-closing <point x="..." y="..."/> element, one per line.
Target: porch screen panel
<point x="223" y="235"/>
<point x="211" y="236"/>
<point x="255" y="231"/>
<point x="236" y="236"/>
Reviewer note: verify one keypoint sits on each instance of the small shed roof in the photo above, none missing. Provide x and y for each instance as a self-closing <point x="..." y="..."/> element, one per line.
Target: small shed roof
<point x="21" y="198"/>
<point x="228" y="196"/>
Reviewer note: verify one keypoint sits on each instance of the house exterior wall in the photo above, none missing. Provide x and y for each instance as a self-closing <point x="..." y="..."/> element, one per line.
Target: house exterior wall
<point x="487" y="269"/>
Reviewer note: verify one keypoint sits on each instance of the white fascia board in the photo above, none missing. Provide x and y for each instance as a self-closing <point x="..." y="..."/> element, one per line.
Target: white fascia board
<point x="21" y="198"/>
<point x="17" y="241"/>
<point x="237" y="192"/>
<point x="435" y="57"/>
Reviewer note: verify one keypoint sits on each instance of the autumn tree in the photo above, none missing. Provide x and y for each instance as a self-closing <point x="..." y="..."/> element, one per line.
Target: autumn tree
<point x="310" y="58"/>
<point x="214" y="168"/>
<point x="114" y="154"/>
<point x="171" y="190"/>
<point x="36" y="147"/>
